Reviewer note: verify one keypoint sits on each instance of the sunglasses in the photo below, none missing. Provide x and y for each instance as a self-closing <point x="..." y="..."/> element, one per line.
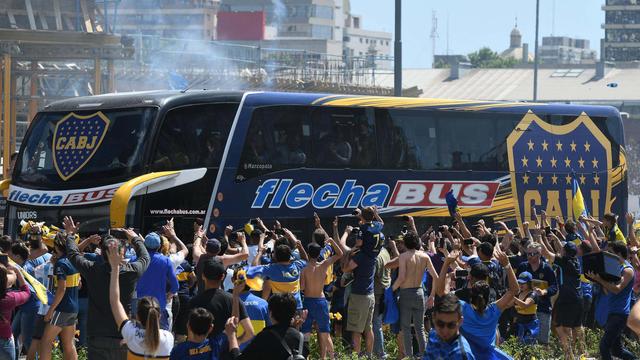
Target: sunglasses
<point x="441" y="324"/>
<point x="532" y="254"/>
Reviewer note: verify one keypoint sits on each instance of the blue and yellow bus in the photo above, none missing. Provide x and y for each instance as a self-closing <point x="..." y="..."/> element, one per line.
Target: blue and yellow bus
<point x="136" y="159"/>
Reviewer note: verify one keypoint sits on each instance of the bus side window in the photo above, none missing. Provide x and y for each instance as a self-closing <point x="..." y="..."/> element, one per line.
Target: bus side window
<point x="193" y="136"/>
<point x="405" y="139"/>
<point x="342" y="138"/>
<point x="278" y="138"/>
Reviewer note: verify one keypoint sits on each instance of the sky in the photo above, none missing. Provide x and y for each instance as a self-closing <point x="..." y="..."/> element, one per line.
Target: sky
<point x="473" y="24"/>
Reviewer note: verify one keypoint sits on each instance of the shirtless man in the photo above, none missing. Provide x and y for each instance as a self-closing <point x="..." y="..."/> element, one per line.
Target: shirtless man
<point x="312" y="283"/>
<point x="412" y="263"/>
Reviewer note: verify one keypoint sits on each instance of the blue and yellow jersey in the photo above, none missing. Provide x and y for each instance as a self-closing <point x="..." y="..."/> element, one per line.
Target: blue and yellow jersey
<point x="372" y="237"/>
<point x="64" y="271"/>
<point x="615" y="234"/>
<point x="326" y="253"/>
<point x="284" y="278"/>
<point x="258" y="312"/>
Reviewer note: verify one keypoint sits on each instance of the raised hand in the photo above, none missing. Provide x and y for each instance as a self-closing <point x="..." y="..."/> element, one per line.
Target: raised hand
<point x="69" y="226"/>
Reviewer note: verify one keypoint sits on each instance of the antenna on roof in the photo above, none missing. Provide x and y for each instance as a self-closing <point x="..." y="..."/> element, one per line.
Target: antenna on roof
<point x="434" y="35"/>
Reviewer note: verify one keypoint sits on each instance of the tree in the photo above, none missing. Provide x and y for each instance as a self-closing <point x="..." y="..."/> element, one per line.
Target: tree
<point x="487" y="58"/>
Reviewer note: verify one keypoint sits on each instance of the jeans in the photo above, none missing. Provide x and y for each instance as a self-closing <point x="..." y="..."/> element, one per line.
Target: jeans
<point x="545" y="327"/>
<point x="103" y="348"/>
<point x="378" y="336"/>
<point x="83" y="308"/>
<point x="23" y="325"/>
<point x="611" y="342"/>
<point x="411" y="306"/>
<point x="7" y="349"/>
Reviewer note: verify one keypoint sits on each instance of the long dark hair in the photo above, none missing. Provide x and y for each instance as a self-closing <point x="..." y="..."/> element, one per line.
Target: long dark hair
<point x="149" y="317"/>
<point x="480" y="296"/>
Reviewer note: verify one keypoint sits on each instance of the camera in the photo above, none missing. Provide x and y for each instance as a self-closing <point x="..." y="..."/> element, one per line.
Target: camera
<point x="468" y="242"/>
<point x="118" y="234"/>
<point x="461" y="278"/>
<point x="253" y="221"/>
<point x="462" y="273"/>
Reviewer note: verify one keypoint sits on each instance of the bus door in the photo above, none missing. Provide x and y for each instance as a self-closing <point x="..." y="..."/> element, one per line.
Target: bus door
<point x="191" y="139"/>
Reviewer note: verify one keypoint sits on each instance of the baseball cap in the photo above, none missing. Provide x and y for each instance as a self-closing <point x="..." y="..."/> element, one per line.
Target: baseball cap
<point x="213" y="246"/>
<point x="213" y="269"/>
<point x="152" y="241"/>
<point x="525" y="277"/>
<point x="570" y="249"/>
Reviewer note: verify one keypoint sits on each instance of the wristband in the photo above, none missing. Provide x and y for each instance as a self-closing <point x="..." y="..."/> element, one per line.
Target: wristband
<point x="508" y="266"/>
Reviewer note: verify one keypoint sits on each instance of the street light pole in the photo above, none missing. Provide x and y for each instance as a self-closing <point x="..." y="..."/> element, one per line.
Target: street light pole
<point x="397" y="52"/>
<point x="536" y="61"/>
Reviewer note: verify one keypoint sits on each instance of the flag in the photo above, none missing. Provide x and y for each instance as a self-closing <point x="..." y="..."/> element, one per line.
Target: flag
<point x="177" y="81"/>
<point x="579" y="208"/>
<point x="452" y="203"/>
<point x="39" y="289"/>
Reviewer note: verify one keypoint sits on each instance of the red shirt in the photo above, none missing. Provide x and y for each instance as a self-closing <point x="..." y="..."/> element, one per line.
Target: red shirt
<point x="10" y="301"/>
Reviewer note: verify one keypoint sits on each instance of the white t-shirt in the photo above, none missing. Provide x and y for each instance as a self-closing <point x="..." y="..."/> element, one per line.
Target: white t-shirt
<point x="133" y="335"/>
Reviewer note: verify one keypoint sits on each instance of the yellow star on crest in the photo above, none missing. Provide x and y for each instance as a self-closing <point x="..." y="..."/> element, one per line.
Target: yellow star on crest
<point x="596" y="180"/>
<point x="525" y="161"/>
<point x="582" y="179"/>
<point x="594" y="162"/>
<point x="587" y="146"/>
<point x="540" y="178"/>
<point x="525" y="178"/>
<point x="581" y="162"/>
<point x="568" y="179"/>
<point x="559" y="146"/>
<point x="530" y="143"/>
<point x="554" y="179"/>
<point x="539" y="162"/>
<point x="554" y="162"/>
<point x="567" y="162"/>
<point x="573" y="145"/>
<point x="545" y="145"/>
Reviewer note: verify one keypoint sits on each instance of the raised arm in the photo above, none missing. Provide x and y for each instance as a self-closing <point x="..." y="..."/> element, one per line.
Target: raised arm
<point x="73" y="254"/>
<point x="633" y="241"/>
<point x="440" y="281"/>
<point x="505" y="301"/>
<point x="198" y="248"/>
<point x="142" y="255"/>
<point x="239" y="257"/>
<point x="337" y="253"/>
<point x="170" y="232"/>
<point x="377" y="216"/>
<point x="116" y="257"/>
<point x="463" y="227"/>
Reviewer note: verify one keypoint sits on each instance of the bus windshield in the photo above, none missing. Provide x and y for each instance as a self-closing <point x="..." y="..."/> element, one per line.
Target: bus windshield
<point x="115" y="155"/>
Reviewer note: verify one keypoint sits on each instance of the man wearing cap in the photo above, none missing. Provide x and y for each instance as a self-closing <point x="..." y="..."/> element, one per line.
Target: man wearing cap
<point x="151" y="283"/>
<point x="212" y="250"/>
<point x="568" y="306"/>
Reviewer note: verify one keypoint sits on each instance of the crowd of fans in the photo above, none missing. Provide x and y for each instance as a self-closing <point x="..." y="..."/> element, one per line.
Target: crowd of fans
<point x="455" y="291"/>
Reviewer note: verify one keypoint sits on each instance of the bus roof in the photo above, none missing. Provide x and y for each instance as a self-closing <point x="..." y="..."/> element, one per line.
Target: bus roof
<point x="178" y="98"/>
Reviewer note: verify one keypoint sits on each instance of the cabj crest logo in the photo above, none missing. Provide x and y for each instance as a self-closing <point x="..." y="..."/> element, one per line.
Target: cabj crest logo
<point x="544" y="159"/>
<point x="76" y="139"/>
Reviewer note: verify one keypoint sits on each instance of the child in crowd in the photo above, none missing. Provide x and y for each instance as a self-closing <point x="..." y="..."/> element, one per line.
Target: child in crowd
<point x="197" y="345"/>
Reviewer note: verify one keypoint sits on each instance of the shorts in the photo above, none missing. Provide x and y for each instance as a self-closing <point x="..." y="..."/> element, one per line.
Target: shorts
<point x="39" y="326"/>
<point x="318" y="311"/>
<point x="360" y="313"/>
<point x="62" y="319"/>
<point x="569" y="314"/>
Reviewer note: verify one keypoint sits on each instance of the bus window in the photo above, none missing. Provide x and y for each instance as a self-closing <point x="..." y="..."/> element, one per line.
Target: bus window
<point x="342" y="138"/>
<point x="119" y="154"/>
<point x="406" y="139"/>
<point x="278" y="138"/>
<point x="443" y="140"/>
<point x="193" y="136"/>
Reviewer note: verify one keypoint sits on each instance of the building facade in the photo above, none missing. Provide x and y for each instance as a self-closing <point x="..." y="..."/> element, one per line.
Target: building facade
<point x="563" y="50"/>
<point x="622" y="30"/>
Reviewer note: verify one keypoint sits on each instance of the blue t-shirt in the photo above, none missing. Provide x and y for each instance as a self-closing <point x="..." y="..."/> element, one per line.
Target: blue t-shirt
<point x="437" y="349"/>
<point x="63" y="270"/>
<point x="258" y="312"/>
<point x="372" y="238"/>
<point x="480" y="329"/>
<point x="620" y="303"/>
<point x="363" y="274"/>
<point x="193" y="351"/>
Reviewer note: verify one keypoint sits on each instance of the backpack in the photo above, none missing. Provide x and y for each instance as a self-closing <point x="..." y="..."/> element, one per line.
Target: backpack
<point x="298" y="353"/>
